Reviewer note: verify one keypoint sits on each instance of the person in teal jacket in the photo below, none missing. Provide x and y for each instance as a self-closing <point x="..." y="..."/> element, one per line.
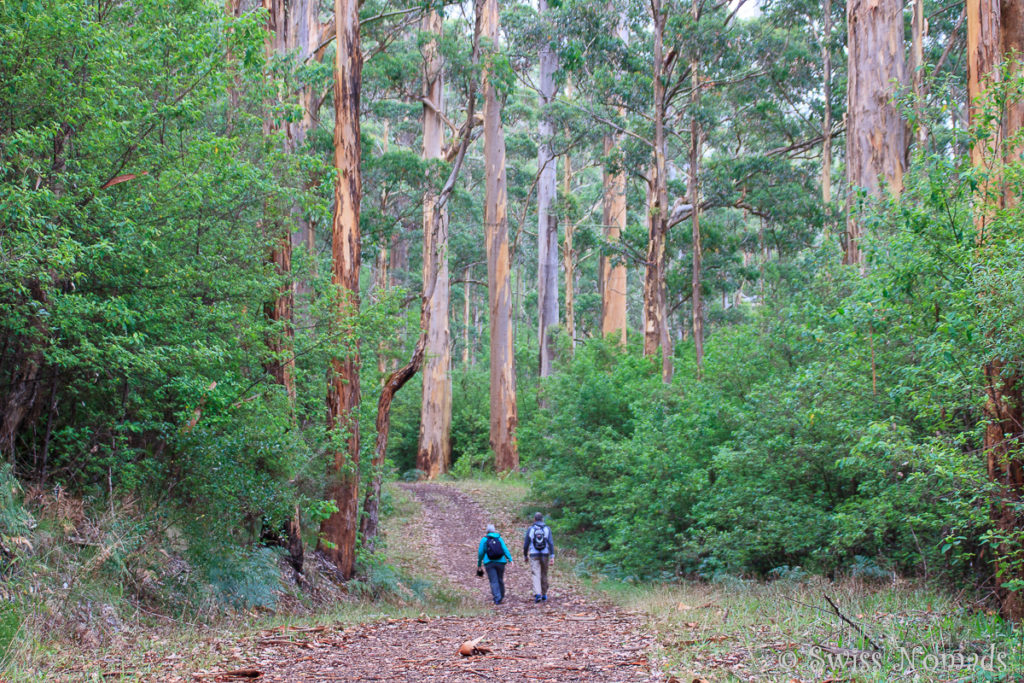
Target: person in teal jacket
<point x="493" y="555"/>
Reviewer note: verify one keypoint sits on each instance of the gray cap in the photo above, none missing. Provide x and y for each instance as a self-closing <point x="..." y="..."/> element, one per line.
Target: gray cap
<point x="491" y="529"/>
<point x="537" y="517"/>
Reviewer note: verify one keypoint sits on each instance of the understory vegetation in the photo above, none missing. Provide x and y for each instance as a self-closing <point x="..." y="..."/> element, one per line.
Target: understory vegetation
<point x="835" y="428"/>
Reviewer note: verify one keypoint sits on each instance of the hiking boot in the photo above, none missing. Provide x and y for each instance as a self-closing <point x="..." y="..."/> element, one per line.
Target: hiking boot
<point x="544" y="598"/>
<point x="536" y="598"/>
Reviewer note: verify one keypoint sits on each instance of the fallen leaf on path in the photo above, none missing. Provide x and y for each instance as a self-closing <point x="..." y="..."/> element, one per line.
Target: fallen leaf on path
<point x="473" y="647"/>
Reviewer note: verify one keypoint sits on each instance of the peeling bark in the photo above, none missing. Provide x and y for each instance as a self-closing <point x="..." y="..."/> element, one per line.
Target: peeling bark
<point x="547" y="219"/>
<point x="875" y="134"/>
<point x="339" y="530"/>
<point x="433" y="454"/>
<point x="569" y="260"/>
<point x="655" y="312"/>
<point x="613" y="277"/>
<point x="504" y="417"/>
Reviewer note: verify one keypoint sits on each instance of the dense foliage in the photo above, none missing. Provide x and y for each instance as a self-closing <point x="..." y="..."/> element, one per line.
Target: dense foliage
<point x="837" y="428"/>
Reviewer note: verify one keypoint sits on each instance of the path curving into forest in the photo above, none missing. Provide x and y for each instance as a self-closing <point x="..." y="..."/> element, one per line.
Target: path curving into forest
<point x="569" y="638"/>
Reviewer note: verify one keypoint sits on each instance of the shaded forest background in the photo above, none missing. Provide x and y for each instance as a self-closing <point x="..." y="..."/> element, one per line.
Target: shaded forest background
<point x="808" y="367"/>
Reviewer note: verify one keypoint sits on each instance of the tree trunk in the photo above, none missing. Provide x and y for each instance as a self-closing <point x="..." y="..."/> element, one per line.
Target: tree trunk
<point x="433" y="455"/>
<point x="1005" y="466"/>
<point x="919" y="28"/>
<point x="826" y="121"/>
<point x="504" y="417"/>
<point x="547" y="219"/>
<point x="339" y="530"/>
<point x="697" y="300"/>
<point x="995" y="30"/>
<point x="370" y="523"/>
<point x="655" y="314"/>
<point x="22" y="391"/>
<point x="292" y="28"/>
<point x="281" y="337"/>
<point x="569" y="260"/>
<point x="466" y="284"/>
<point x="613" y="277"/>
<point x="875" y="135"/>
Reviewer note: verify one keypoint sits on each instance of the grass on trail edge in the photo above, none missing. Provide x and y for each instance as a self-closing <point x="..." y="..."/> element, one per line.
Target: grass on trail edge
<point x="786" y="630"/>
<point x="399" y="585"/>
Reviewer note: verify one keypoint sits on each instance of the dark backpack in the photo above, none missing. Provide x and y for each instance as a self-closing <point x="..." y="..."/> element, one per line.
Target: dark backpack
<point x="493" y="548"/>
<point x="540" y="538"/>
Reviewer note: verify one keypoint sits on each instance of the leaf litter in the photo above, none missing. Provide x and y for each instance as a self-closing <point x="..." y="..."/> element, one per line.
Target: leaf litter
<point x="567" y="638"/>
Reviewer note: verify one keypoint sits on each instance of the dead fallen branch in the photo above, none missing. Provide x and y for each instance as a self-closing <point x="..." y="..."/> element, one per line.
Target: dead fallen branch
<point x="855" y="626"/>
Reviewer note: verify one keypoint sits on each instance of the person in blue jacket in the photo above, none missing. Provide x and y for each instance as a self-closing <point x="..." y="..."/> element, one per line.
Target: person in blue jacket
<point x="493" y="555"/>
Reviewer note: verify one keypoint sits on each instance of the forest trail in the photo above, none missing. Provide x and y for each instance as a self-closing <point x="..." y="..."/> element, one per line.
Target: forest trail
<point x="569" y="638"/>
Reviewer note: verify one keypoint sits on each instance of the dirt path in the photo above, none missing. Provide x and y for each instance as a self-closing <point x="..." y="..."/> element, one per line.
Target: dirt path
<point x="566" y="639"/>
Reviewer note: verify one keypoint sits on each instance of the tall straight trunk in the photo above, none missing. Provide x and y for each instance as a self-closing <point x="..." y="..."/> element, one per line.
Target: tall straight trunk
<point x="995" y="30"/>
<point x="478" y="330"/>
<point x="433" y="455"/>
<point x="875" y="134"/>
<point x="826" y="121"/>
<point x="613" y="277"/>
<point x="504" y="417"/>
<point x="547" y="219"/>
<point x="338" y="532"/>
<point x="569" y="260"/>
<point x="694" y="192"/>
<point x="919" y="28"/>
<point x="466" y="274"/>
<point x="655" y="314"/>
<point x="294" y="29"/>
<point x="281" y="336"/>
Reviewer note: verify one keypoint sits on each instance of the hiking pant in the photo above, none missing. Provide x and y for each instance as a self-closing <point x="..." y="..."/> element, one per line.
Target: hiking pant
<point x="496" y="575"/>
<point x="539" y="572"/>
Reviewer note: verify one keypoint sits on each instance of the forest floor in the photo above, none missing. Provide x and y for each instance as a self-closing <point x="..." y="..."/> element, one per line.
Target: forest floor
<point x="407" y="623"/>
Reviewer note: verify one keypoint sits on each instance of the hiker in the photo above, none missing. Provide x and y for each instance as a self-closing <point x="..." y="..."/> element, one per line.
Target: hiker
<point x="538" y="549"/>
<point x="493" y="555"/>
